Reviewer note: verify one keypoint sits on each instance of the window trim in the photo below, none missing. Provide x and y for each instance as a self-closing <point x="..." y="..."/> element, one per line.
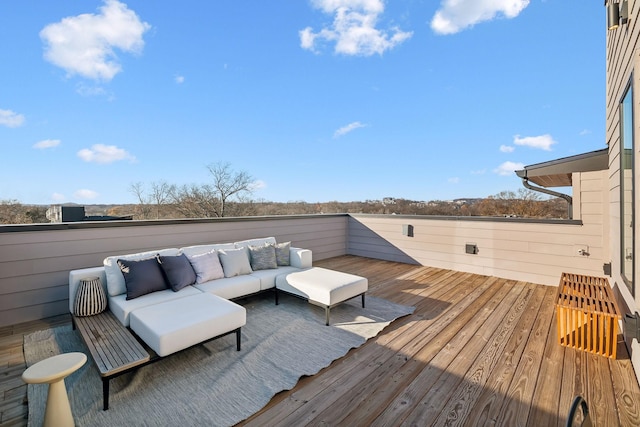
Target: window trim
<point x="629" y="281"/>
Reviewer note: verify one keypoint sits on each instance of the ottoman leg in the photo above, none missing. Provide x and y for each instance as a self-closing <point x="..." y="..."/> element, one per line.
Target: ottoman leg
<point x="238" y="339"/>
<point x="363" y="300"/>
<point x="327" y="314"/>
<point x="276" y="292"/>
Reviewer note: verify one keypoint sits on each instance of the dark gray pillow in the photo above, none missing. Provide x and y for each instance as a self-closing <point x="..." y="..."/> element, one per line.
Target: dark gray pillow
<point x="283" y="256"/>
<point x="178" y="271"/>
<point x="142" y="277"/>
<point x="262" y="257"/>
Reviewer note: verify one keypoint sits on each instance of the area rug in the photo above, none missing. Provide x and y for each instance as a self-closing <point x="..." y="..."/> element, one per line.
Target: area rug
<point x="213" y="384"/>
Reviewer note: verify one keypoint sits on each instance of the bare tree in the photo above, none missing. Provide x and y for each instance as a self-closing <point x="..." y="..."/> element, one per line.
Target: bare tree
<point x="159" y="196"/>
<point x="144" y="208"/>
<point x="194" y="201"/>
<point x="229" y="185"/>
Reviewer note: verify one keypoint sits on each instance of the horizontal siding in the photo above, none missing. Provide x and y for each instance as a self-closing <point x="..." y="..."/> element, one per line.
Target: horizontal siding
<point x="531" y="251"/>
<point x="35" y="261"/>
<point x="537" y="253"/>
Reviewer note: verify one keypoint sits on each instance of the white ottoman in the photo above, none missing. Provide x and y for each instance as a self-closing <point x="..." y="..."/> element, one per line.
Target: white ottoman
<point x="322" y="287"/>
<point x="183" y="322"/>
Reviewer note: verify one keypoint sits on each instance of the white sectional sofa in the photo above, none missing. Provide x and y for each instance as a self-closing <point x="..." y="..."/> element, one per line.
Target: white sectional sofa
<point x="227" y="271"/>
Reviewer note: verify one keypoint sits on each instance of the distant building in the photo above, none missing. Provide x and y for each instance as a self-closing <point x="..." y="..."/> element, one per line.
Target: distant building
<point x="62" y="213"/>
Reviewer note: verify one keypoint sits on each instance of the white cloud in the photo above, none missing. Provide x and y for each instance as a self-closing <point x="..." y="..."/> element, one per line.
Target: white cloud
<point x="100" y="153"/>
<point x="457" y="15"/>
<point x="257" y="185"/>
<point x="85" y="194"/>
<point x="454" y="180"/>
<point x="46" y="143"/>
<point x="585" y="132"/>
<point x="10" y="119"/>
<point x="85" y="44"/>
<point x="58" y="197"/>
<point x="353" y="29"/>
<point x="348" y="128"/>
<point x="543" y="142"/>
<point x="179" y="79"/>
<point x="89" y="90"/>
<point x="479" y="172"/>
<point x="507" y="148"/>
<point x="507" y="168"/>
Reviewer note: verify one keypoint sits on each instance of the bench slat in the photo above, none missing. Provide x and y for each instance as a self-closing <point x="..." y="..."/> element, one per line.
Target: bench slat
<point x="113" y="348"/>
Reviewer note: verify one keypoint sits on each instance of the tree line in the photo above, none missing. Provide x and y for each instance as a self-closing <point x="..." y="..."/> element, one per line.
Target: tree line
<point x="228" y="194"/>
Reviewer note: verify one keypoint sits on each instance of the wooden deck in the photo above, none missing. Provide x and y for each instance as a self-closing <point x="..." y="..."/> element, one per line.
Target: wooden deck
<point x="477" y="351"/>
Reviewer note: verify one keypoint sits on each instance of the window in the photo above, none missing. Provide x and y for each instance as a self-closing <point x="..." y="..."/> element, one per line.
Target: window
<point x="626" y="190"/>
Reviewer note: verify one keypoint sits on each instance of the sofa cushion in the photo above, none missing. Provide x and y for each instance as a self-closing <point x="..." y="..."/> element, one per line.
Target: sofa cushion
<point x="178" y="271"/>
<point x="235" y="262"/>
<point x="255" y="242"/>
<point x="206" y="266"/>
<point x="115" y="279"/>
<point x="166" y="329"/>
<point x="262" y="257"/>
<point x="122" y="308"/>
<point x="201" y="249"/>
<point x="268" y="277"/>
<point x="231" y="287"/>
<point x="283" y="256"/>
<point x="142" y="277"/>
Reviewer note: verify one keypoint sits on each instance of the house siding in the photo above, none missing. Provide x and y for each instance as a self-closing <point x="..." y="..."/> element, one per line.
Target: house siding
<point x="622" y="60"/>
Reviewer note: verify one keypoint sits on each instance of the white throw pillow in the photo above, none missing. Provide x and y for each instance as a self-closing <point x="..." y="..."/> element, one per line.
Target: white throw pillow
<point x="207" y="266"/>
<point x="235" y="262"/>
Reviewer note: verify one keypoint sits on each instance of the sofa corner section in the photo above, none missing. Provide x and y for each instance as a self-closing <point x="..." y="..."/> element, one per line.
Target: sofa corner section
<point x="300" y="258"/>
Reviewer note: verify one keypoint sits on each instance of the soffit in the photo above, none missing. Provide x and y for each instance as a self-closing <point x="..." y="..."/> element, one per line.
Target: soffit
<point x="557" y="173"/>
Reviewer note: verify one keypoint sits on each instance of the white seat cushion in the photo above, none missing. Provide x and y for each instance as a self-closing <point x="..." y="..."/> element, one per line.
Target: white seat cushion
<point x="327" y="287"/>
<point x="175" y="325"/>
<point x="268" y="277"/>
<point x="231" y="287"/>
<point x="122" y="308"/>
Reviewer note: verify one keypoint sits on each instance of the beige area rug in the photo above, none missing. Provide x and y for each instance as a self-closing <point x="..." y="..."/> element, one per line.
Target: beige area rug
<point x="212" y="384"/>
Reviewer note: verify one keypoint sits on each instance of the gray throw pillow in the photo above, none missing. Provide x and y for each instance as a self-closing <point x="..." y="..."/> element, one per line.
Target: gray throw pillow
<point x="178" y="271"/>
<point x="283" y="257"/>
<point x="207" y="266"/>
<point x="235" y="262"/>
<point x="142" y="277"/>
<point x="262" y="257"/>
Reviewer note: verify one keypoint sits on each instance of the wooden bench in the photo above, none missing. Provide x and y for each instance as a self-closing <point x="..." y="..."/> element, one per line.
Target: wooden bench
<point x="587" y="314"/>
<point x="113" y="348"/>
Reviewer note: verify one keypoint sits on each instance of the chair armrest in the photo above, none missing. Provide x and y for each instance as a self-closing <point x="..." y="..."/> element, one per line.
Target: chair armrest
<point x="301" y="258"/>
<point x="74" y="281"/>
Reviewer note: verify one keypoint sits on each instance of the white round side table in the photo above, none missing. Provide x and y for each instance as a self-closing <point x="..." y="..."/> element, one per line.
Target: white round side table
<point x="53" y="371"/>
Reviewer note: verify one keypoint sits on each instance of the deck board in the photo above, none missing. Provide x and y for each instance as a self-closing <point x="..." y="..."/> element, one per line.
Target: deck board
<point x="478" y="350"/>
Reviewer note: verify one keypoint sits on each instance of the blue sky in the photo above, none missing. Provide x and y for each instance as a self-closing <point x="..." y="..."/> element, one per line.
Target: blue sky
<point x="318" y="100"/>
